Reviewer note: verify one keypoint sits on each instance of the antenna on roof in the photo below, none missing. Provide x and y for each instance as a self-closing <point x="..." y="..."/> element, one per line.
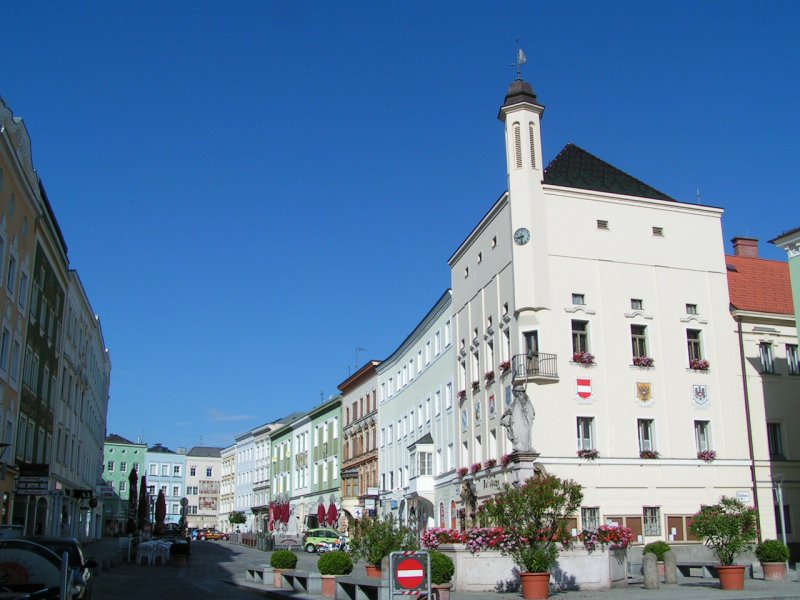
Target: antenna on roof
<point x="358" y="349"/>
<point x="521" y="59"/>
<point x="698" y="195"/>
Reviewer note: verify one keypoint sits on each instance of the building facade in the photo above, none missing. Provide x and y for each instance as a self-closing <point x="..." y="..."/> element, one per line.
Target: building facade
<point x="790" y="242"/>
<point x="202" y="492"/>
<point x="166" y="472"/>
<point x="227" y="488"/>
<point x="120" y="458"/>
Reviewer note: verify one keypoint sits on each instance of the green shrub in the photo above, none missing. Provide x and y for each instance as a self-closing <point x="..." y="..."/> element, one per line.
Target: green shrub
<point x="442" y="568"/>
<point x="658" y="548"/>
<point x="772" y="551"/>
<point x="335" y="563"/>
<point x="728" y="528"/>
<point x="283" y="559"/>
<point x="374" y="539"/>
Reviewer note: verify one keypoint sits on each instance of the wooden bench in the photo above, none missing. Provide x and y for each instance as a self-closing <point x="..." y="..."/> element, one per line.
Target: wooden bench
<point x="356" y="587"/>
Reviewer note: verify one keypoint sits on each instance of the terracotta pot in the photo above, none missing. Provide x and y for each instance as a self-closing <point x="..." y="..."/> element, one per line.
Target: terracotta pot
<point x="535" y="586"/>
<point x="329" y="586"/>
<point x="774" y="571"/>
<point x="277" y="580"/>
<point x="373" y="571"/>
<point x="731" y="577"/>
<point x="662" y="569"/>
<point x="443" y="589"/>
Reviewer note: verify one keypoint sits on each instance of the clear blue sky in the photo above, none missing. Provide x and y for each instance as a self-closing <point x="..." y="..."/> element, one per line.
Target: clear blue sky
<point x="251" y="190"/>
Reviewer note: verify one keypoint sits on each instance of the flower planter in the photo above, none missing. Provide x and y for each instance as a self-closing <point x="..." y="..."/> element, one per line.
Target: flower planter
<point x="774" y="571"/>
<point x="373" y="571"/>
<point x="443" y="590"/>
<point x="329" y="586"/>
<point x="731" y="577"/>
<point x="277" y="578"/>
<point x="535" y="586"/>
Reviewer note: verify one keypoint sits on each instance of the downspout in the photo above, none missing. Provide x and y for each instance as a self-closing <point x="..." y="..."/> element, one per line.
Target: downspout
<point x="749" y="424"/>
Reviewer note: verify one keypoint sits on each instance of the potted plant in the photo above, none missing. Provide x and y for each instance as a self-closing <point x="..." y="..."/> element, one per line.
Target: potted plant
<point x="649" y="454"/>
<point x="588" y="453"/>
<point x="534" y="517"/>
<point x="505" y="460"/>
<point x="583" y="358"/>
<point x="728" y="528"/>
<point x="476" y="385"/>
<point x="658" y="548"/>
<point x="489" y="376"/>
<point x="489" y="463"/>
<point x="643" y="361"/>
<point x="330" y="565"/>
<point x="505" y="366"/>
<point x="773" y="555"/>
<point x="374" y="539"/>
<point x="462" y="471"/>
<point x="282" y="560"/>
<point x="699" y="364"/>
<point x="442" y="569"/>
<point x="707" y="455"/>
<point x="475" y="468"/>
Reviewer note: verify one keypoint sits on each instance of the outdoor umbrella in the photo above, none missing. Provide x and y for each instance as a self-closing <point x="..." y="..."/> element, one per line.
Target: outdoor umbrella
<point x="333" y="514"/>
<point x="286" y="512"/>
<point x="161" y="511"/>
<point x="144" y="504"/>
<point x="133" y="500"/>
<point x="321" y="514"/>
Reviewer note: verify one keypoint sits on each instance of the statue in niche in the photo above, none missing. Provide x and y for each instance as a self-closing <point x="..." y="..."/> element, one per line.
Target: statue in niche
<point x="518" y="421"/>
<point x="469" y="500"/>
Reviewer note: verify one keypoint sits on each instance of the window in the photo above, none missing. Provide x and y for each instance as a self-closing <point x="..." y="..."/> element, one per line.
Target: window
<point x="646" y="441"/>
<point x="580" y="336"/>
<point x="448" y="395"/>
<point x="774" y="440"/>
<point x="193" y="471"/>
<point x="693" y="343"/>
<point x="767" y="359"/>
<point x="209" y="471"/>
<point x="787" y="522"/>
<point x="590" y="518"/>
<point x="5" y="348"/>
<point x="639" y="340"/>
<point x="791" y="359"/>
<point x="602" y="225"/>
<point x="658" y="231"/>
<point x="110" y="466"/>
<point x="12" y="274"/>
<point x="636" y="304"/>
<point x="23" y="289"/>
<point x="425" y="463"/>
<point x="585" y="437"/>
<point x="702" y="435"/>
<point x="517" y="146"/>
<point x="652" y="520"/>
<point x="579" y="299"/>
<point x="165" y="470"/>
<point x="123" y="487"/>
<point x="123" y="467"/>
<point x="691" y="309"/>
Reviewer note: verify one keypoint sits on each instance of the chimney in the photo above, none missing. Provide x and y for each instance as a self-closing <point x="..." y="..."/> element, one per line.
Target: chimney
<point x="747" y="247"/>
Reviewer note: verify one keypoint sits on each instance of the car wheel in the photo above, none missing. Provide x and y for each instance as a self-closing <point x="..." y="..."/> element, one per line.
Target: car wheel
<point x="310" y="548"/>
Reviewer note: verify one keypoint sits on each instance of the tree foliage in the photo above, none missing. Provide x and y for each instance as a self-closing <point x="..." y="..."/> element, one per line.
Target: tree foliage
<point x="728" y="528"/>
<point x="237" y="517"/>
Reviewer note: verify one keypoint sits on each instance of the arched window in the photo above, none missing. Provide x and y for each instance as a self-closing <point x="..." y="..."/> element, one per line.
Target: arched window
<point x="517" y="147"/>
<point x="441" y="514"/>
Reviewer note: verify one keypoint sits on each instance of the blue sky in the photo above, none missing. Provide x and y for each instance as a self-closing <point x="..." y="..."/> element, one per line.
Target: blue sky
<point x="252" y="190"/>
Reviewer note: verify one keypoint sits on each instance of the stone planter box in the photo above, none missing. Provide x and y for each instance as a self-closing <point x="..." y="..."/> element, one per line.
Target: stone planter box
<point x="576" y="570"/>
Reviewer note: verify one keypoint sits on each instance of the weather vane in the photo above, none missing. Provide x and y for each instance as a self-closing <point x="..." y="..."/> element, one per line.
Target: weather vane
<point x="521" y="60"/>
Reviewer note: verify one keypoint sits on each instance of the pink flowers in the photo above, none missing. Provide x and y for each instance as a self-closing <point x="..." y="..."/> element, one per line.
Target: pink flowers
<point x="505" y="460"/>
<point x="643" y="361"/>
<point x="475" y="468"/>
<point x="699" y="364"/>
<point x="649" y="454"/>
<point x="489" y="463"/>
<point x="583" y="358"/>
<point x="614" y="535"/>
<point x="489" y="376"/>
<point x="588" y="454"/>
<point x="462" y="394"/>
<point x="463" y="471"/>
<point x="707" y="455"/>
<point x="505" y="366"/>
<point x="431" y="538"/>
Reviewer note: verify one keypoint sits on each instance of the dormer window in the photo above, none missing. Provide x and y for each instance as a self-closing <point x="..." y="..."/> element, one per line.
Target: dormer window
<point x="602" y="225"/>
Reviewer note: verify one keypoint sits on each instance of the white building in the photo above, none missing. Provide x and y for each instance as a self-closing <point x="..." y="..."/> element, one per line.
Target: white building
<point x="580" y="276"/>
<point x="227" y="487"/>
<point x="416" y="419"/>
<point x="203" y="476"/>
<point x="244" y="476"/>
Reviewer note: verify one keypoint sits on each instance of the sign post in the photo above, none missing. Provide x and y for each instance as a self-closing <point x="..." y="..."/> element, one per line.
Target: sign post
<point x="410" y="573"/>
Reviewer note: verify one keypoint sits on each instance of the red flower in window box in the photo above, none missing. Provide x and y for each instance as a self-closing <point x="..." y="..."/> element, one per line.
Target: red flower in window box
<point x="699" y="364"/>
<point x="643" y="361"/>
<point x="649" y="454"/>
<point x="505" y="366"/>
<point x="583" y="358"/>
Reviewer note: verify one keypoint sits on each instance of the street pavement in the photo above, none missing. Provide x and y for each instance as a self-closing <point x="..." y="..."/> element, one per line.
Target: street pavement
<point x="217" y="570"/>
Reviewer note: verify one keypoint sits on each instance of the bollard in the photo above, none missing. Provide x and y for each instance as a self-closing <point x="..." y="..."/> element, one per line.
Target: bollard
<point x="670" y="568"/>
<point x="650" y="570"/>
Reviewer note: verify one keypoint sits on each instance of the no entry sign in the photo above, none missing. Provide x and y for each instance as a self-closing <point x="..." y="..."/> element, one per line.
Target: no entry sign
<point x="410" y="572"/>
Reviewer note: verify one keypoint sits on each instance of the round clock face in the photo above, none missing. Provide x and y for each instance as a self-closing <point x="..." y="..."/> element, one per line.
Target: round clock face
<point x="521" y="236"/>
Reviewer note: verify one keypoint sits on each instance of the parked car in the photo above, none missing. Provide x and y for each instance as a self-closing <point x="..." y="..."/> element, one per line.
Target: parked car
<point x="212" y="534"/>
<point x="82" y="582"/>
<point x="313" y="538"/>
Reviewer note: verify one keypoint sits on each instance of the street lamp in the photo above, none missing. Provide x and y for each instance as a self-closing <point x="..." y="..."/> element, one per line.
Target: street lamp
<point x="777" y="480"/>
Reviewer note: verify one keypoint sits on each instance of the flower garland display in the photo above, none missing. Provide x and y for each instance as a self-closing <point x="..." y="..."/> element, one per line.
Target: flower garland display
<point x="615" y="536"/>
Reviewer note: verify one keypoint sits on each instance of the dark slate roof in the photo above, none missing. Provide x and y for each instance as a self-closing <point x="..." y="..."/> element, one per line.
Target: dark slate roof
<point x="118" y="439"/>
<point x="205" y="452"/>
<point x="425" y="439"/>
<point x="160" y="448"/>
<point x="574" y="167"/>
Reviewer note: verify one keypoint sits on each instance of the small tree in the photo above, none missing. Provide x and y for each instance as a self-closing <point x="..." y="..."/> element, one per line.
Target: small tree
<point x="728" y="528"/>
<point x="237" y="517"/>
<point x="534" y="517"/>
<point x="375" y="539"/>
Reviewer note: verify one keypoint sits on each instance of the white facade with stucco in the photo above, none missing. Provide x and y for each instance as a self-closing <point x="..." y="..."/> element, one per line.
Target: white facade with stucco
<point x="604" y="273"/>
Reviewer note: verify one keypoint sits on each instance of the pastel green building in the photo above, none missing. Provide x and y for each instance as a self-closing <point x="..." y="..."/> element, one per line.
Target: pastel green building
<point x="120" y="457"/>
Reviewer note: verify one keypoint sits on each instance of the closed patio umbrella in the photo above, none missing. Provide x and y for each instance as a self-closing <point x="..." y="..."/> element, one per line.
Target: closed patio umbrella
<point x="286" y="512"/>
<point x="161" y="511"/>
<point x="333" y="515"/>
<point x="133" y="501"/>
<point x="321" y="514"/>
<point x="144" y="504"/>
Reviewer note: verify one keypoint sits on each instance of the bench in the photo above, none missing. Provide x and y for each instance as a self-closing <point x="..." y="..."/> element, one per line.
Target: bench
<point x="259" y="574"/>
<point x="707" y="569"/>
<point x="355" y="587"/>
<point x="302" y="581"/>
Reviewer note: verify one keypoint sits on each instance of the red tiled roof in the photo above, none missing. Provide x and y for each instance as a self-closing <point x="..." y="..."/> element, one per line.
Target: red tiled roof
<point x="760" y="285"/>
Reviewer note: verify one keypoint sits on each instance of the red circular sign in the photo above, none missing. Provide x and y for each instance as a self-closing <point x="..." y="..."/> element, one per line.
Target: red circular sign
<point x="410" y="573"/>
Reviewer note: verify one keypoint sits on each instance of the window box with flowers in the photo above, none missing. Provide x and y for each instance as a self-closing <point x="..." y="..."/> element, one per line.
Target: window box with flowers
<point x="463" y="471"/>
<point x="462" y="395"/>
<point x="505" y="366"/>
<point x="649" y="454"/>
<point x="505" y="460"/>
<point x="583" y="358"/>
<point x="476" y="385"/>
<point x="475" y="468"/>
<point x="707" y="455"/>
<point x="643" y="361"/>
<point x="588" y="453"/>
<point x="489" y="463"/>
<point x="489" y="376"/>
<point x="699" y="364"/>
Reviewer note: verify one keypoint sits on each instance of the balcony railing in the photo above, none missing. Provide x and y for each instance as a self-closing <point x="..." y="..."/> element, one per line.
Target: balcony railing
<point x="535" y="365"/>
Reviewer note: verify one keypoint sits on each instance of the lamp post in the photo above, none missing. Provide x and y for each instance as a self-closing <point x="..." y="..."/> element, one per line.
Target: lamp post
<point x="777" y="480"/>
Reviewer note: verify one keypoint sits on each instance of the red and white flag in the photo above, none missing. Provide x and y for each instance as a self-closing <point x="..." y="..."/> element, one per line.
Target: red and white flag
<point x="585" y="388"/>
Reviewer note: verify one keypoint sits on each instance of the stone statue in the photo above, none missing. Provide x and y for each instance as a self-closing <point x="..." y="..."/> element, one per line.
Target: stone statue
<point x="469" y="500"/>
<point x="518" y="421"/>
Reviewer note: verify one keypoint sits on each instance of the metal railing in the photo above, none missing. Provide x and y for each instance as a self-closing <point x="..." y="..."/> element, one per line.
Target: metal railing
<point x="535" y="364"/>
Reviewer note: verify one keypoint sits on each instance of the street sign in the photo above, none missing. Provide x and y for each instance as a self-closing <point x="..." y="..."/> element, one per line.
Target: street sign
<point x="410" y="573"/>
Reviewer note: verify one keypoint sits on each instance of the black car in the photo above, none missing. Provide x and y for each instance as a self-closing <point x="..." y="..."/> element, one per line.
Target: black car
<point x="81" y="567"/>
